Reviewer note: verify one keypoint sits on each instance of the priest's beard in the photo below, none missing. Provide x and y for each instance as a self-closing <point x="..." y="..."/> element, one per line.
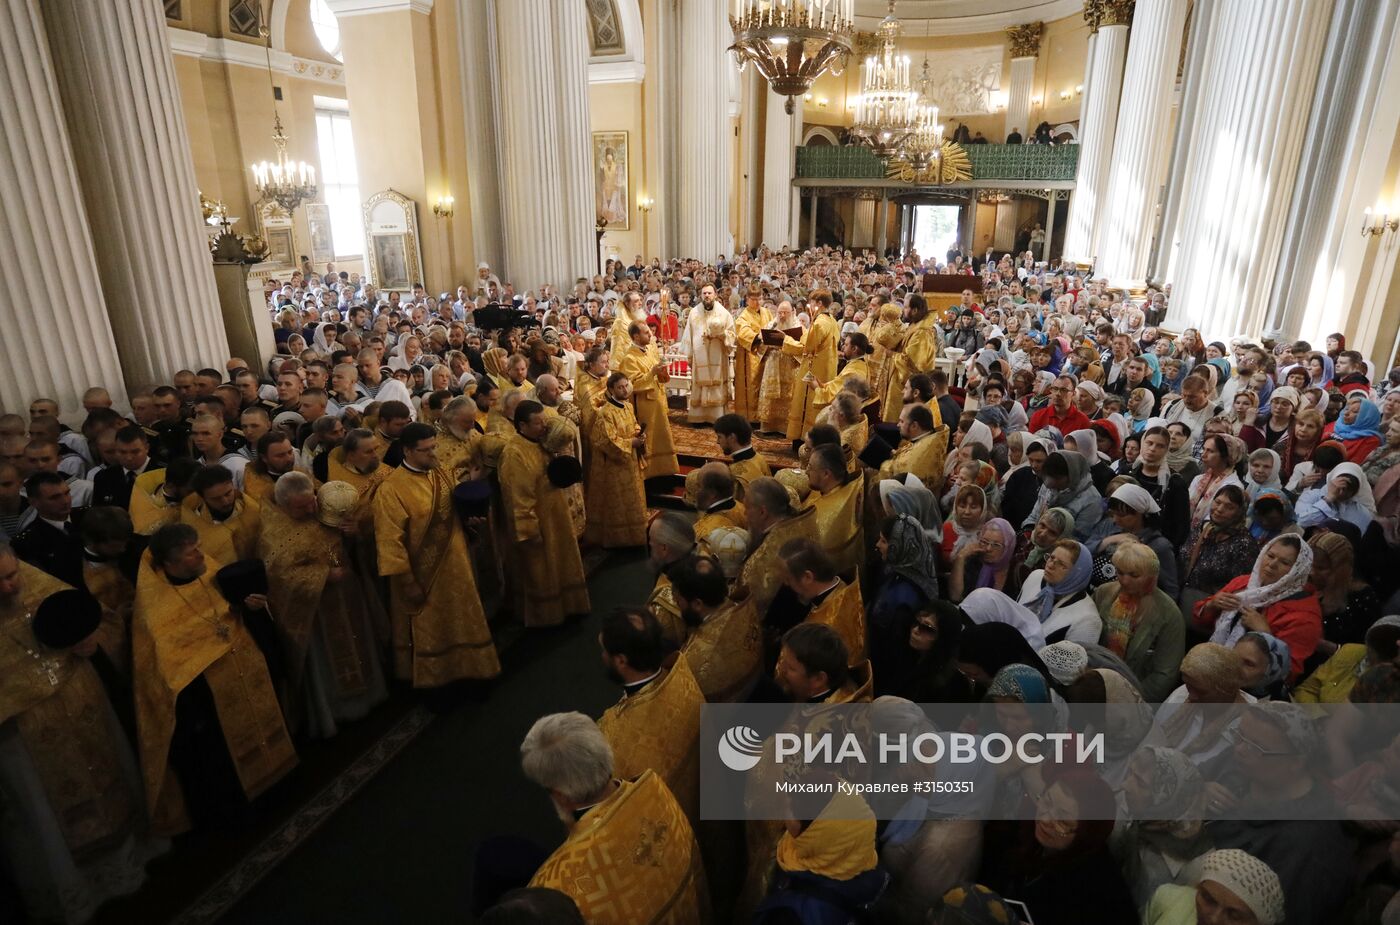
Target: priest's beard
<point x="691" y="616"/>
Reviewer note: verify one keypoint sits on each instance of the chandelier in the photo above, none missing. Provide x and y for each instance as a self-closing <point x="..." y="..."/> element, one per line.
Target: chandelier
<point x="888" y="112"/>
<point x="793" y="42"/>
<point x="925" y="146"/>
<point x="286" y="182"/>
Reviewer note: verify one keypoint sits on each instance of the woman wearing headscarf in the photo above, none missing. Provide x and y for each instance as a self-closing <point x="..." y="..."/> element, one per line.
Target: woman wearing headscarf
<point x="1270" y="515"/>
<point x="1154" y="370"/>
<point x="1275" y="598"/>
<point x="1181" y="456"/>
<point x="984" y="563"/>
<point x="911" y="497"/>
<point x="1359" y="427"/>
<point x="1217" y="550"/>
<point x="1263" y="474"/>
<point x="1136" y="519"/>
<point x="989" y="644"/>
<point x="1320" y="368"/>
<point x="1265" y="660"/>
<point x="1059" y="865"/>
<point x="1243" y="412"/>
<point x="970" y="512"/>
<point x="1232" y="883"/>
<point x="1141" y="403"/>
<point x="1349" y="606"/>
<point x="1021" y="487"/>
<point x="1086" y="443"/>
<point x="1057" y="594"/>
<point x="1141" y="624"/>
<point x="1066" y="482"/>
<point x="1220" y="455"/>
<point x="1161" y="831"/>
<point x="1169" y="489"/>
<point x="1334" y="679"/>
<point x="1346" y="495"/>
<point x="1284" y="403"/>
<point x="1386" y="455"/>
<point x="908" y="582"/>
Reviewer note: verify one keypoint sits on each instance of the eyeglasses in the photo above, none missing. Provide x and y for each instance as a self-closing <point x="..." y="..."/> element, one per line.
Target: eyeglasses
<point x="994" y="544"/>
<point x="1060" y="389"/>
<point x="921" y="626"/>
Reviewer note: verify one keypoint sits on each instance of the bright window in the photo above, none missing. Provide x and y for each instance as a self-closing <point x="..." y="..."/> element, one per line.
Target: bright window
<point x="340" y="187"/>
<point x="327" y="29"/>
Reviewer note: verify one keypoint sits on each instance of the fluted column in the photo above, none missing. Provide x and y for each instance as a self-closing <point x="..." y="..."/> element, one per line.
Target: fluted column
<point x="1192" y="81"/>
<point x="44" y="237"/>
<point x="1318" y="223"/>
<point x="122" y="104"/>
<point x="703" y="122"/>
<point x="480" y="71"/>
<point x="532" y="183"/>
<point x="1139" y="160"/>
<point x="863" y="227"/>
<point x="1025" y="46"/>
<point x="578" y="211"/>
<point x="1098" y="121"/>
<point x="1245" y="160"/>
<point x="781" y="204"/>
<point x="1004" y="236"/>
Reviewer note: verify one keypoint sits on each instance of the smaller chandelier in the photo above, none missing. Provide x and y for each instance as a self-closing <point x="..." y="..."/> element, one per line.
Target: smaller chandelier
<point x="286" y="182"/>
<point x="888" y="111"/>
<point x="793" y="42"/>
<point x="926" y="144"/>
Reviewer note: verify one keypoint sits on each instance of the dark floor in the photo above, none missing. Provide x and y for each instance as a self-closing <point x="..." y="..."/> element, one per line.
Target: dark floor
<point x="401" y="848"/>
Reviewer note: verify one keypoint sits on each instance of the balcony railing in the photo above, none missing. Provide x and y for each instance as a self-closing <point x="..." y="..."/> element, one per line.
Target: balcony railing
<point x="989" y="162"/>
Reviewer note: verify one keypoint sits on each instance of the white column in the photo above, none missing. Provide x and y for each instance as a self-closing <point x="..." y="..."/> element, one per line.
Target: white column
<point x="1243" y="165"/>
<point x="122" y="104"/>
<point x="664" y="89"/>
<point x="882" y="227"/>
<point x="1050" y="225"/>
<point x="863" y="227"/>
<point x="1004" y="237"/>
<point x="1138" y="165"/>
<point x="1018" y="100"/>
<point x="477" y="53"/>
<point x="754" y="138"/>
<point x="703" y="123"/>
<point x="782" y="135"/>
<point x="532" y="187"/>
<point x="1098" y="120"/>
<point x="44" y="238"/>
<point x="1192" y="80"/>
<point x="816" y="203"/>
<point x="578" y="212"/>
<point x="1343" y="109"/>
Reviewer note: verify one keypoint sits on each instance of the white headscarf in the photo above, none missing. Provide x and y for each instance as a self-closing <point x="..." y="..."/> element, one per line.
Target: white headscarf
<point x="978" y="433"/>
<point x="1253" y="881"/>
<point x="1273" y="483"/>
<point x="1363" y="496"/>
<point x="1086" y="444"/>
<point x="1258" y="596"/>
<point x="988" y="605"/>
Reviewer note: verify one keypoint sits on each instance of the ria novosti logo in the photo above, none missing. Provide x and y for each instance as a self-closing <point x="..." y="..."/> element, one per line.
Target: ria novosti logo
<point x="740" y="748"/>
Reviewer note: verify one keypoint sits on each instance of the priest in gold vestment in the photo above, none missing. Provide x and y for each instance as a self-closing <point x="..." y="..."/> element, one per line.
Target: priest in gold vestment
<point x="439" y="628"/>
<point x="855" y="352"/>
<point x="810" y="573"/>
<point x="724" y="647"/>
<point x="591" y="389"/>
<point x="923" y="451"/>
<point x="191" y="653"/>
<point x="156" y="496"/>
<point x="816" y="362"/>
<point x="735" y="439"/>
<point x="662" y="880"/>
<point x="641" y="363"/>
<point x="838" y="497"/>
<point x="748" y="344"/>
<point x="226" y="520"/>
<point x="772" y="521"/>
<point x="670" y="537"/>
<point x="656" y="724"/>
<point x="320" y="612"/>
<point x="549" y="583"/>
<point x="615" y="495"/>
<point x="75" y="808"/>
<point x="912" y="350"/>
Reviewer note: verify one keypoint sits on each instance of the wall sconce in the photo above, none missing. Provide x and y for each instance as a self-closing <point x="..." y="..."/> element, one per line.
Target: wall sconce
<point x="807" y="97"/>
<point x="644" y="203"/>
<point x="444" y="207"/>
<point x="822" y="102"/>
<point x="1079" y="88"/>
<point x="1065" y="94"/>
<point x="1372" y="224"/>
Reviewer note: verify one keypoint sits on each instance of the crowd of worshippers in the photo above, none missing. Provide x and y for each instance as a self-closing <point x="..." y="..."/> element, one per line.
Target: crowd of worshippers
<point x="1032" y="497"/>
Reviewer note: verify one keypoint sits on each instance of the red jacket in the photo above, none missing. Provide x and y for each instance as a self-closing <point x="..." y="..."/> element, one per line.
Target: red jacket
<point x="1073" y="419"/>
<point x="1295" y="620"/>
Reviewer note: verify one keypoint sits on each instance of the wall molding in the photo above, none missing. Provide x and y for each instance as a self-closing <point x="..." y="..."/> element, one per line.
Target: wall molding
<point x="367" y="7"/>
<point x="246" y="54"/>
<point x="630" y="66"/>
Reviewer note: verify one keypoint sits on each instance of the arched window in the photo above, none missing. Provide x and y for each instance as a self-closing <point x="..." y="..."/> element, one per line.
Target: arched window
<point x="327" y="29"/>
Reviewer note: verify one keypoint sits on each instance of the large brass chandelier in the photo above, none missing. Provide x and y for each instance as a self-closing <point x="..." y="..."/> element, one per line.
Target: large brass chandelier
<point x="285" y="182"/>
<point x="925" y="145"/>
<point x="888" y="111"/>
<point x="793" y="42"/>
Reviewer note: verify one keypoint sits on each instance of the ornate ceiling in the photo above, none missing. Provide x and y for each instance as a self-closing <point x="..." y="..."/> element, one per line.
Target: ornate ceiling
<point x="965" y="16"/>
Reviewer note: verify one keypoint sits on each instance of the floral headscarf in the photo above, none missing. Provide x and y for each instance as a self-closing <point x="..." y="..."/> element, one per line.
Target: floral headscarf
<point x="1280" y="659"/>
<point x="910" y="555"/>
<point x="1021" y="683"/>
<point x="1175" y="780"/>
<point x="1259" y="596"/>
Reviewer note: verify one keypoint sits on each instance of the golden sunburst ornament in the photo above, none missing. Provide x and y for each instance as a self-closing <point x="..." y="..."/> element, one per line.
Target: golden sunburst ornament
<point x="951" y="166"/>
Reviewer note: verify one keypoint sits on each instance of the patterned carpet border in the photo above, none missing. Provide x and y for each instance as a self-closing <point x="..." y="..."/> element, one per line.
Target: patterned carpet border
<point x="221" y="897"/>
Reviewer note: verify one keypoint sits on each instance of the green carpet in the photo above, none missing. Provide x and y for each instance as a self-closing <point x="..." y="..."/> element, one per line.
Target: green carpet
<point x="401" y="849"/>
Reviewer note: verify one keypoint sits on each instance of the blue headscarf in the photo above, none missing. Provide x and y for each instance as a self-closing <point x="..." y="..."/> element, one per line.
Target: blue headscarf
<point x="1367" y="424"/>
<point x="1077" y="580"/>
<point x="1020" y="682"/>
<point x="1223" y="365"/>
<point x="1153" y="367"/>
<point x="1256" y="529"/>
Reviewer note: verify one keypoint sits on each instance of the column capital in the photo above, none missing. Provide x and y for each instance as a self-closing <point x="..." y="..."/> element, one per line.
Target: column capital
<point x="1117" y="12"/>
<point x="1025" y="39"/>
<point x="365" y="7"/>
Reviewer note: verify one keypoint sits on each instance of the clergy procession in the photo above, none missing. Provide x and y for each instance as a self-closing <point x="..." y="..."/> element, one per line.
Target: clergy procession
<point x="849" y="489"/>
